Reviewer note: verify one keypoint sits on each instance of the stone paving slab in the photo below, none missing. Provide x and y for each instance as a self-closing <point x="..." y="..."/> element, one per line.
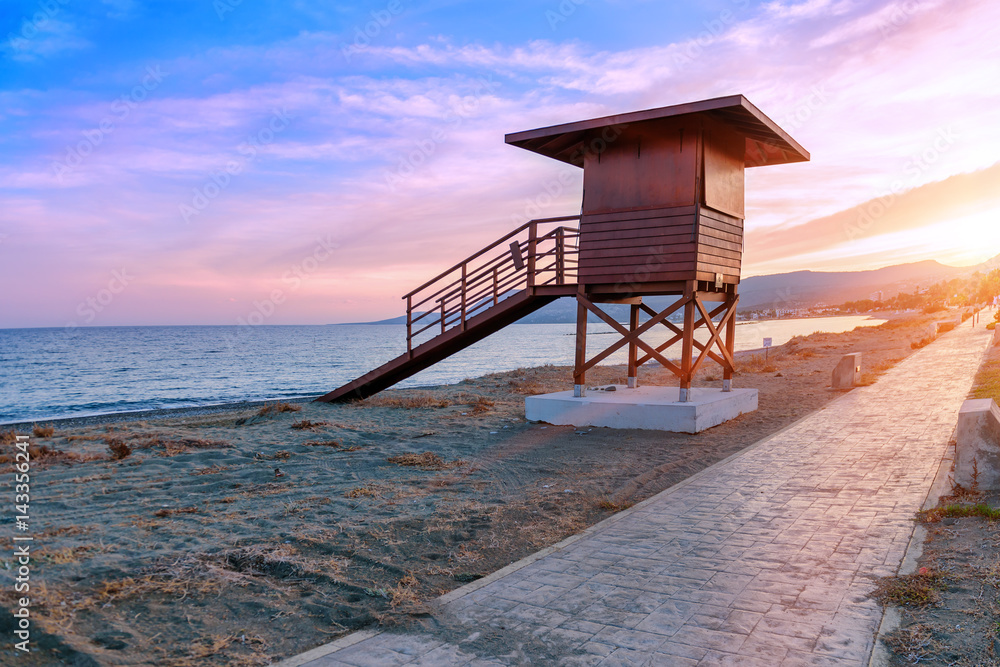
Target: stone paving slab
<point x="763" y="559"/>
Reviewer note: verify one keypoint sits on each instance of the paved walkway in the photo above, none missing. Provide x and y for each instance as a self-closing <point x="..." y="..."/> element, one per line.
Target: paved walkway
<point x="763" y="559"/>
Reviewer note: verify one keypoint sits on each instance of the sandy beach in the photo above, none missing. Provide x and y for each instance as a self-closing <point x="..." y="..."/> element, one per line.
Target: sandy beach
<point x="243" y="536"/>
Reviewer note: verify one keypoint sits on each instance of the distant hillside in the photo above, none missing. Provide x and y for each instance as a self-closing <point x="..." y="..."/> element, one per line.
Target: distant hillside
<point x="797" y="289"/>
<point x="807" y="288"/>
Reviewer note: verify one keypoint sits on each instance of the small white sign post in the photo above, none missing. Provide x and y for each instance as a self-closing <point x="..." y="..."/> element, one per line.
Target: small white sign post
<point x="767" y="346"/>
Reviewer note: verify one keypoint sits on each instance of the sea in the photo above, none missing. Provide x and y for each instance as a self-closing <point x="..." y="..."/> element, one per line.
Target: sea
<point x="48" y="374"/>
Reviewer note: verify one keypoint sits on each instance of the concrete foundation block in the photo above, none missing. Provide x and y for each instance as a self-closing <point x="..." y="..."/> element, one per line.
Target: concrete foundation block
<point x="945" y="326"/>
<point x="996" y="335"/>
<point x="977" y="449"/>
<point x="652" y="408"/>
<point x="848" y="372"/>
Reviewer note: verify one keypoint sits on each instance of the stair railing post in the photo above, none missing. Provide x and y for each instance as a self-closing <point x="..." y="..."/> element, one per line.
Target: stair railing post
<point x="496" y="285"/>
<point x="532" y="243"/>
<point x="464" y="284"/>
<point x="409" y="326"/>
<point x="442" y="314"/>
<point x="561" y="256"/>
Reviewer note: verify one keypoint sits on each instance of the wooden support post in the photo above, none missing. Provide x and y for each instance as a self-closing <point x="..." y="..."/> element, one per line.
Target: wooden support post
<point x="579" y="374"/>
<point x="687" y="343"/>
<point x="727" y="373"/>
<point x="633" y="349"/>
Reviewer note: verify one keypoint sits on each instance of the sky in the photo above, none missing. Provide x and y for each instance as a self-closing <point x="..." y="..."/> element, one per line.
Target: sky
<point x="175" y="162"/>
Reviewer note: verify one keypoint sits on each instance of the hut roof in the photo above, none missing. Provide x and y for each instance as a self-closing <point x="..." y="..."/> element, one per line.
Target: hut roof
<point x="766" y="143"/>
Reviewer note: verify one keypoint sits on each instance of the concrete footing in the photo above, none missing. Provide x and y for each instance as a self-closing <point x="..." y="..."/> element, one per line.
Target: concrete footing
<point x="848" y="372"/>
<point x="977" y="448"/>
<point x="651" y="408"/>
<point x="944" y="326"/>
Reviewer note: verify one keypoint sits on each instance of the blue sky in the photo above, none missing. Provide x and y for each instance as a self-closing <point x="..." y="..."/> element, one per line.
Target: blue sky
<point x="208" y="148"/>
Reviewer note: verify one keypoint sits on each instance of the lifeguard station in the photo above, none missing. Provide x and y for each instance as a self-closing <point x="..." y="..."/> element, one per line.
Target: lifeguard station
<point x="662" y="214"/>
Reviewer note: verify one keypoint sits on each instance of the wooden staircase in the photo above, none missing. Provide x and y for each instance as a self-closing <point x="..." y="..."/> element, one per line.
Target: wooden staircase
<point x="508" y="279"/>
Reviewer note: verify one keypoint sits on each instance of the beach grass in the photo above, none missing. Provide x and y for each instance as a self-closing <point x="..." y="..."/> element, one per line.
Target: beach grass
<point x="410" y="402"/>
<point x="270" y="409"/>
<point x="987" y="381"/>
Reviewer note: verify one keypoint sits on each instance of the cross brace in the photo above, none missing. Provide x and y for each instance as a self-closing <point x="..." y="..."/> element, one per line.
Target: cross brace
<point x="719" y="348"/>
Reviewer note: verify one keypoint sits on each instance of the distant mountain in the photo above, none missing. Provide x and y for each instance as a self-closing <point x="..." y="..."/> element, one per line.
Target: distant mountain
<point x="797" y="289"/>
<point x="392" y="320"/>
<point x="808" y="288"/>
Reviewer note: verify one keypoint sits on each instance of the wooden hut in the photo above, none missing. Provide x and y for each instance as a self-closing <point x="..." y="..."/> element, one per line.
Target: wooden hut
<point x="662" y="214"/>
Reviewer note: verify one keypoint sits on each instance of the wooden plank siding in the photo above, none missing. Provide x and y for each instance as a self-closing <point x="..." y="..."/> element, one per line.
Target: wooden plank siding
<point x="720" y="244"/>
<point x="641" y="213"/>
<point x="640" y="245"/>
<point x="665" y="244"/>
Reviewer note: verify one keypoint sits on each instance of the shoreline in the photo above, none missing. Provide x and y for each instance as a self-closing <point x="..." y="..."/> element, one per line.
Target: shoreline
<point x="197" y="405"/>
<point x="246" y="406"/>
<point x="153" y="414"/>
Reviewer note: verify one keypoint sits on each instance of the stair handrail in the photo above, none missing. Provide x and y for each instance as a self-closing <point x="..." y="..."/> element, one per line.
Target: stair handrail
<point x="564" y="218"/>
<point x="477" y="275"/>
<point x="525" y="264"/>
